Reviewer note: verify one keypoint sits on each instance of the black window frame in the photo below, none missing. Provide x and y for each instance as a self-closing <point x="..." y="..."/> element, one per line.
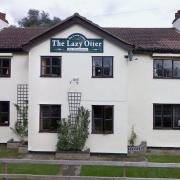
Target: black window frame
<point x="51" y="66"/>
<point x="103" y="131"/>
<point x="3" y="67"/>
<point x="162" y="116"/>
<point x="1" y="124"/>
<point x="165" y="59"/>
<point x="41" y="118"/>
<point x="103" y="76"/>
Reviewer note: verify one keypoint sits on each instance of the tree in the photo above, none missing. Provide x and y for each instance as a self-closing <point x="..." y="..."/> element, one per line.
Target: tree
<point x="35" y="18"/>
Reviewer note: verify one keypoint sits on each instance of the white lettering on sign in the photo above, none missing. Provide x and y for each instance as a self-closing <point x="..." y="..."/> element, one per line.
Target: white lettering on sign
<point x="57" y="43"/>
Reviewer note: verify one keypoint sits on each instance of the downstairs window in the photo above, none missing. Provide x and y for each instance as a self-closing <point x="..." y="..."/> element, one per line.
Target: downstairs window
<point x="50" y="115"/>
<point x="166" y="116"/>
<point x="4" y="113"/>
<point x="102" y="119"/>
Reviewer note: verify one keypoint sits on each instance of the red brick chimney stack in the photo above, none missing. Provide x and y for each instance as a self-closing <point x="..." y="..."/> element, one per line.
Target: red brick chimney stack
<point x="3" y="17"/>
<point x="177" y="15"/>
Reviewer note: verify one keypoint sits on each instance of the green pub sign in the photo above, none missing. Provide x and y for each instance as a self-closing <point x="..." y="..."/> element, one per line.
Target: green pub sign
<point x="76" y="43"/>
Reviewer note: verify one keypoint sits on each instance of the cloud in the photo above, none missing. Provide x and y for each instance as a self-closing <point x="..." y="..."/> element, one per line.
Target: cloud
<point x="136" y="13"/>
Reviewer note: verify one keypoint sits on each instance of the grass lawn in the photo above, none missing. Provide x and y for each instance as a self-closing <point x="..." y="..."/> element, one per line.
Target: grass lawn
<point x="164" y="158"/>
<point x="131" y="172"/>
<point x="35" y="169"/>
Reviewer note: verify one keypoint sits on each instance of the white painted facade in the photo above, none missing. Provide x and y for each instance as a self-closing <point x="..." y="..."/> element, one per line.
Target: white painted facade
<point x="3" y="24"/>
<point x="132" y="91"/>
<point x="107" y="91"/>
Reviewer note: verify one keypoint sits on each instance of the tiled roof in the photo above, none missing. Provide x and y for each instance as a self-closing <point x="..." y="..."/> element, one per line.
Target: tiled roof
<point x="150" y="39"/>
<point x="144" y="39"/>
<point x="14" y="38"/>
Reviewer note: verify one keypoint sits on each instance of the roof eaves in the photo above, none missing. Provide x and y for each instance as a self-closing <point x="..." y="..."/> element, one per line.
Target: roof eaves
<point x="78" y="19"/>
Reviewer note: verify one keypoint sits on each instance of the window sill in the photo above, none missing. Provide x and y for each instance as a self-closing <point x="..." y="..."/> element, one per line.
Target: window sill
<point x="166" y="77"/>
<point x="47" y="131"/>
<point x="50" y="76"/>
<point x="4" y="125"/>
<point x="96" y="77"/>
<point x="5" y="76"/>
<point x="166" y="128"/>
<point x="102" y="133"/>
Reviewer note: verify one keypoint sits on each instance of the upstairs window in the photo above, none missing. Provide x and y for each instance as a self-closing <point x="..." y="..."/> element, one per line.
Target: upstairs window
<point x="50" y="116"/>
<point x="4" y="113"/>
<point x="51" y="66"/>
<point x="5" y="67"/>
<point x="166" y="116"/>
<point x="167" y="68"/>
<point x="102" y="119"/>
<point x="102" y="66"/>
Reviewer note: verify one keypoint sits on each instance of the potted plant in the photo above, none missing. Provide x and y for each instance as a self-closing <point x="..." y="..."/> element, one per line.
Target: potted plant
<point x="72" y="136"/>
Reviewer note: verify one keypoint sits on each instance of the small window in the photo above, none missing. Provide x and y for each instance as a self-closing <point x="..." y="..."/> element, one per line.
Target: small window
<point x="4" y="113"/>
<point x="51" y="66"/>
<point x="166" y="68"/>
<point x="50" y="116"/>
<point x="5" y="70"/>
<point x="102" y="66"/>
<point x="102" y="118"/>
<point x="166" y="116"/>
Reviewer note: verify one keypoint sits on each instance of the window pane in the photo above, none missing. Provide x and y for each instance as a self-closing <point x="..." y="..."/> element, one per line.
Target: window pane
<point x="176" y="116"/>
<point x="97" y="66"/>
<point x="158" y="120"/>
<point x="107" y="66"/>
<point x="6" y="63"/>
<point x="5" y="71"/>
<point x="55" y="71"/>
<point x="98" y="125"/>
<point x="45" y="61"/>
<point x="108" y="126"/>
<point x="158" y="69"/>
<point x="55" y="111"/>
<point x="45" y="111"/>
<point x="50" y="124"/>
<point x="45" y="70"/>
<point x="167" y="122"/>
<point x="167" y="110"/>
<point x="108" y="112"/>
<point x="4" y="119"/>
<point x="98" y="111"/>
<point x="158" y="110"/>
<point x="56" y="61"/>
<point x="167" y="65"/>
<point x="176" y="69"/>
<point x="4" y="106"/>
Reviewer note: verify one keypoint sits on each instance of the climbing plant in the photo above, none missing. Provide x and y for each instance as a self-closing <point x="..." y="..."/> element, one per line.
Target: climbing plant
<point x="21" y="127"/>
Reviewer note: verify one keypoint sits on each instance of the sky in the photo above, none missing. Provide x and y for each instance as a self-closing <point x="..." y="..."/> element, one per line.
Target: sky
<point x="106" y="13"/>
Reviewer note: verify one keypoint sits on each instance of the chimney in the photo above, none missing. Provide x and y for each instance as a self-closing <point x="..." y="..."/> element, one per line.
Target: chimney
<point x="176" y="21"/>
<point x="3" y="17"/>
<point x="3" y="21"/>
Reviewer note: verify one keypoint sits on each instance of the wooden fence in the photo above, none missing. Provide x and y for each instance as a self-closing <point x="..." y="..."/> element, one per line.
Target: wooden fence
<point x="5" y="163"/>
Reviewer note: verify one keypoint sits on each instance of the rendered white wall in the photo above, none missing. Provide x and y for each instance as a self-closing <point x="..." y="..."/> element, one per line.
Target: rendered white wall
<point x="143" y="91"/>
<point x="8" y="91"/>
<point x="94" y="92"/>
<point x="176" y="24"/>
<point x="3" y="24"/>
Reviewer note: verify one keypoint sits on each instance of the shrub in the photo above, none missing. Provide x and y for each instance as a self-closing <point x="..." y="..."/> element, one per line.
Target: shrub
<point x="73" y="136"/>
<point x="133" y="137"/>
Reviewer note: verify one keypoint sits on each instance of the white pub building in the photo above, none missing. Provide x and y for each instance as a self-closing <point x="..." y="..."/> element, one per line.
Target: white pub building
<point x="125" y="77"/>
